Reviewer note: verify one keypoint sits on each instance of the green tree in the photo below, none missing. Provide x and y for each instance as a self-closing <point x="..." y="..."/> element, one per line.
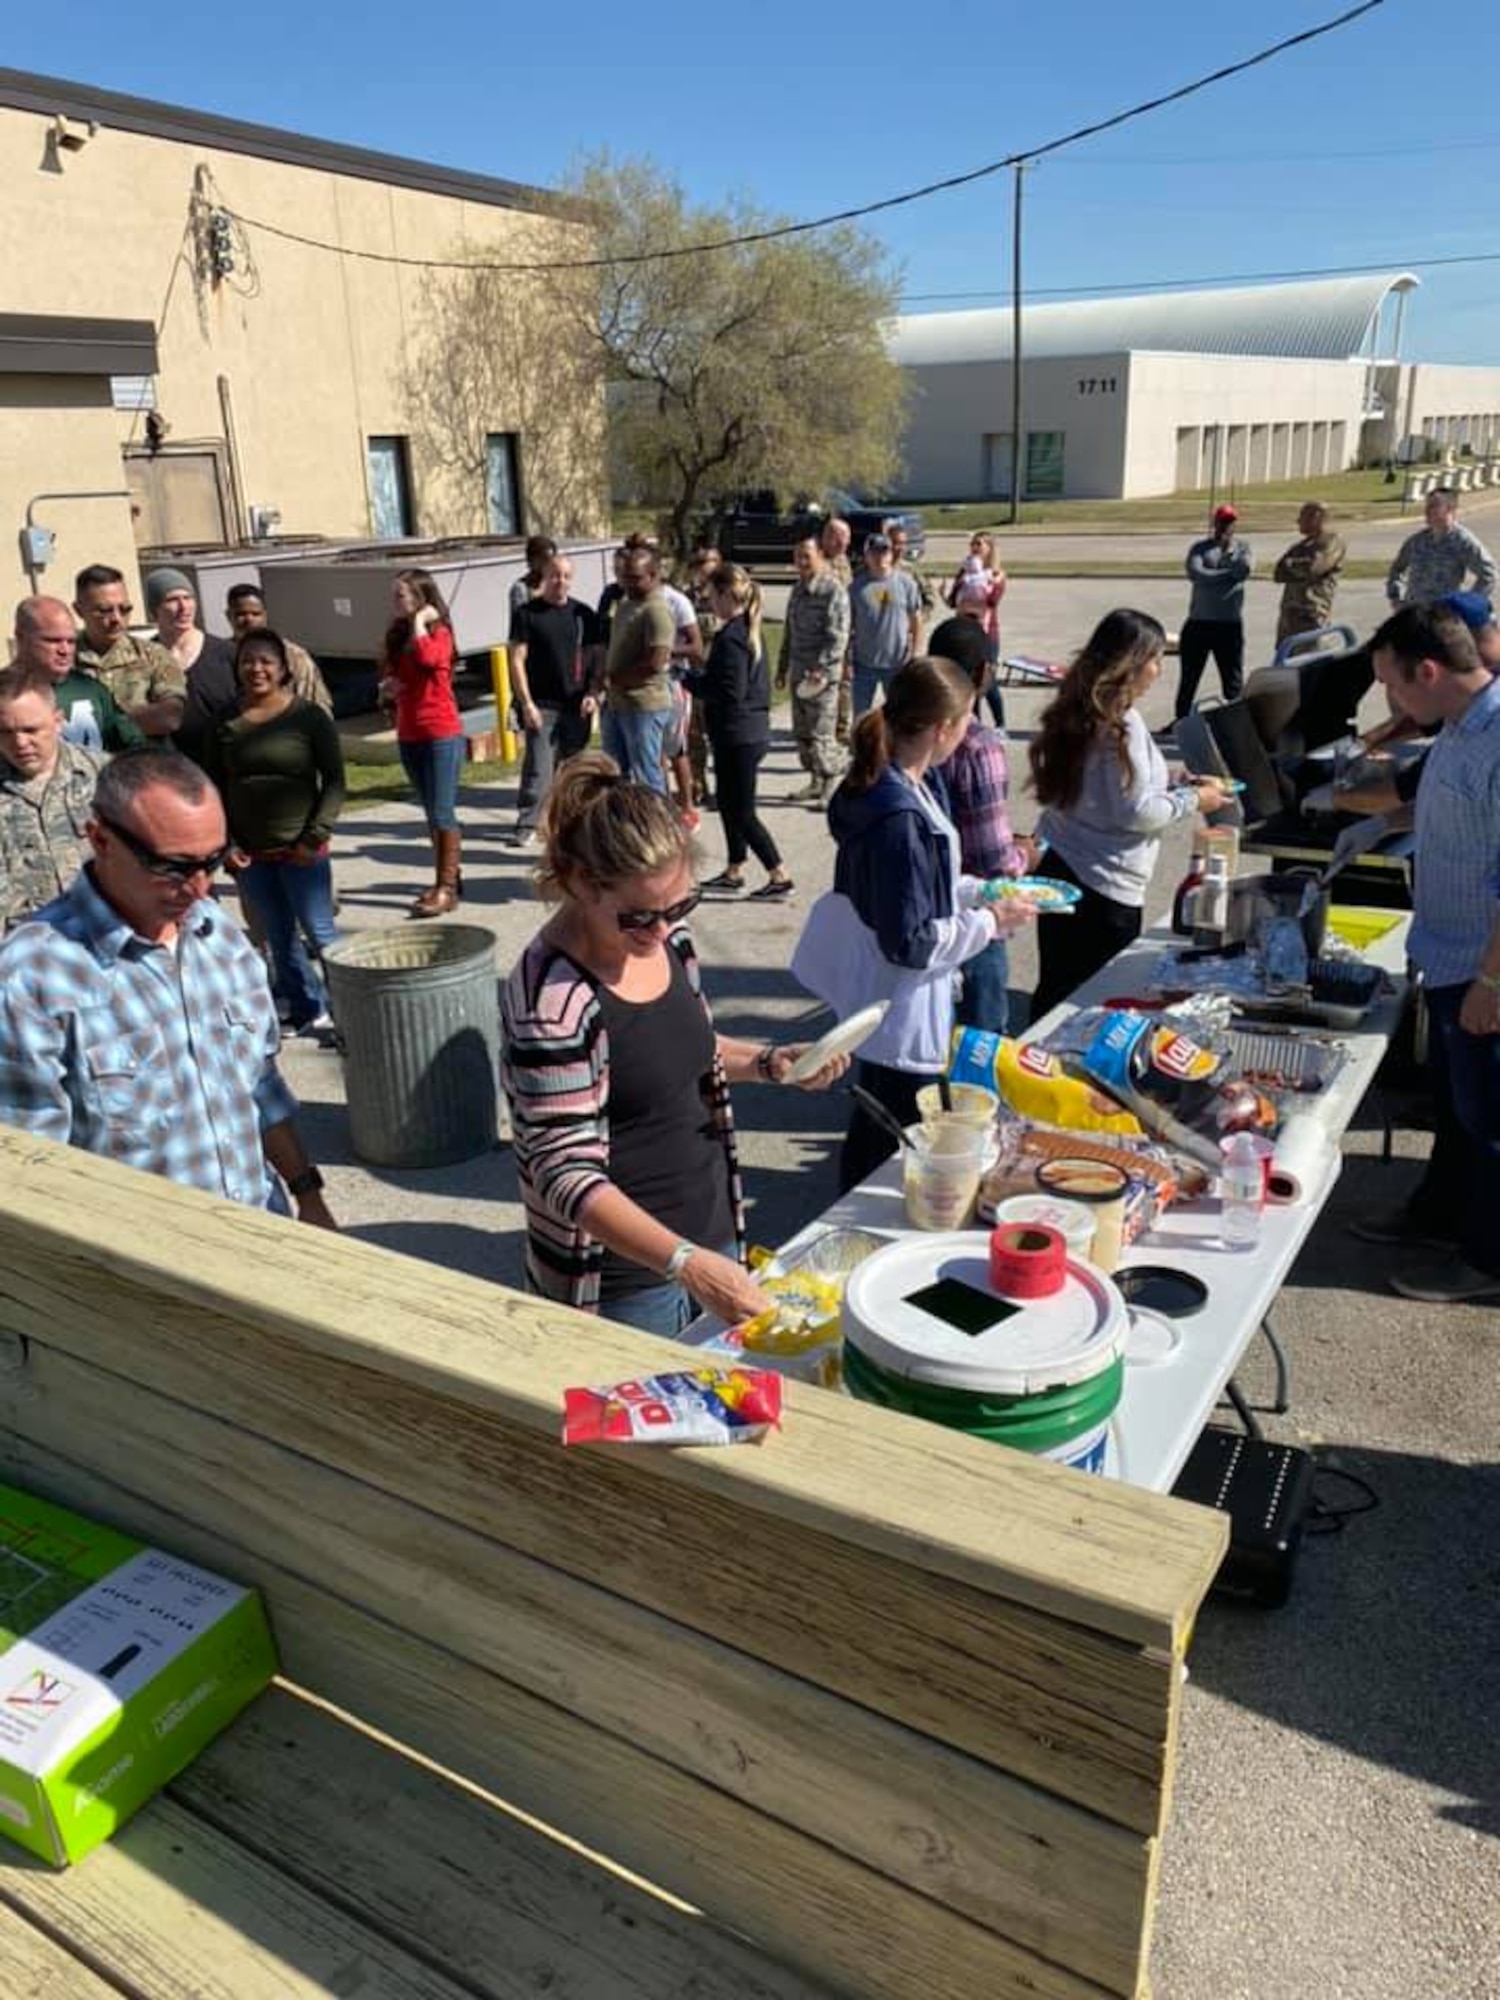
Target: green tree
<point x="760" y="366"/>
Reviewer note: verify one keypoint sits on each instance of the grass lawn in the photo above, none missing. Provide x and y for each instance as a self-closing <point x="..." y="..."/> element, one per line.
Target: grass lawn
<point x="1351" y="496"/>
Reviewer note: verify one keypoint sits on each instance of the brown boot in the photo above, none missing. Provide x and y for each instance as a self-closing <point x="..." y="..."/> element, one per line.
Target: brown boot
<point x="444" y="894"/>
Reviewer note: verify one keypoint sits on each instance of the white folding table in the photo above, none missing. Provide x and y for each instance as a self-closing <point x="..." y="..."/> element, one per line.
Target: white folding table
<point x="1166" y="1404"/>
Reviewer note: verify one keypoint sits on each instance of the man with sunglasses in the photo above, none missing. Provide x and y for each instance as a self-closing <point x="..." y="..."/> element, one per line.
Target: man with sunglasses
<point x="135" y="1017"/>
<point x="141" y="674"/>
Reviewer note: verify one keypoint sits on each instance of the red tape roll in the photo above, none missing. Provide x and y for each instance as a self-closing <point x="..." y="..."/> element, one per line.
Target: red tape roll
<point x="1028" y="1260"/>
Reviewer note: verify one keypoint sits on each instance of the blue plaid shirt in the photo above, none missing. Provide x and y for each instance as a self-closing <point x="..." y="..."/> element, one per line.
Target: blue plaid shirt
<point x="1457" y="899"/>
<point x="161" y="1057"/>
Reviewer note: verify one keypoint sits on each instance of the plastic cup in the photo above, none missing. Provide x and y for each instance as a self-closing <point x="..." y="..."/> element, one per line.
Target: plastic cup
<point x="972" y="1105"/>
<point x="940" y="1170"/>
<point x="1102" y="1189"/>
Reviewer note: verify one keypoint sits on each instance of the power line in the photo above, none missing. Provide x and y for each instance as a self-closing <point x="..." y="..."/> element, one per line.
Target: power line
<point x="1231" y="278"/>
<point x="784" y="229"/>
<point x="1282" y="159"/>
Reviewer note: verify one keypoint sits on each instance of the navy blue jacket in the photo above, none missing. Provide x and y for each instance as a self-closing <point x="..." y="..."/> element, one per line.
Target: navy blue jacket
<point x="894" y="865"/>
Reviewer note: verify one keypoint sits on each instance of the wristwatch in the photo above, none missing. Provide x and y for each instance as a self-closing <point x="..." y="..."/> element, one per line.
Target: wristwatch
<point x="309" y="1181"/>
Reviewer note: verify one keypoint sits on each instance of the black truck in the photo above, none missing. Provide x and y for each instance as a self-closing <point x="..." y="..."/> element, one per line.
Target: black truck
<point x="752" y="530"/>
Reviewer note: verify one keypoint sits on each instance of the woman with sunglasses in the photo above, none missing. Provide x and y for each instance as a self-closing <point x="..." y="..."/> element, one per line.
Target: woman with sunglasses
<point x="617" y="1082"/>
<point x="280" y="770"/>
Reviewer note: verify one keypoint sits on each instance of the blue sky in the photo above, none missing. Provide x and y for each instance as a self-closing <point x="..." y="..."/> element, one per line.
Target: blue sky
<point x="1366" y="147"/>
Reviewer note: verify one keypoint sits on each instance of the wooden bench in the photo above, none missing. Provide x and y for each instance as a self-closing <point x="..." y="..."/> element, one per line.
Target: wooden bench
<point x="873" y="1709"/>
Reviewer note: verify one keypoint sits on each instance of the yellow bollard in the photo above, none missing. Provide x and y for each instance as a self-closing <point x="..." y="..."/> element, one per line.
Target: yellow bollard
<point x="510" y="749"/>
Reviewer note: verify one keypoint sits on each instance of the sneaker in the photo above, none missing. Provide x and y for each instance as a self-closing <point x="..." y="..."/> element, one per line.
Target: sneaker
<point x="313" y="1030"/>
<point x="725" y="881"/>
<point x="810" y="795"/>
<point x="771" y="892"/>
<point x="523" y="836"/>
<point x="1445" y="1280"/>
<point x="1400" y="1227"/>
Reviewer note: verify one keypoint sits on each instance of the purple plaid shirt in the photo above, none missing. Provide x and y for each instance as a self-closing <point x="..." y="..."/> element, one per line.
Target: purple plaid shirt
<point x="977" y="779"/>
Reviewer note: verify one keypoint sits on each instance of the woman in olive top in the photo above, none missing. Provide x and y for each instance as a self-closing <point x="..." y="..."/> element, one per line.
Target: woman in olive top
<point x="281" y="772"/>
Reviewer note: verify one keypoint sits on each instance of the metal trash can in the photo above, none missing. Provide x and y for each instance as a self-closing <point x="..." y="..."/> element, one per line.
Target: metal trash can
<point x="419" y="1013"/>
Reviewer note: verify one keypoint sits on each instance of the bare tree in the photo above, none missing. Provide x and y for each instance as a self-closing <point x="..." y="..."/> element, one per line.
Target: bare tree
<point x="496" y="352"/>
<point x="759" y="366"/>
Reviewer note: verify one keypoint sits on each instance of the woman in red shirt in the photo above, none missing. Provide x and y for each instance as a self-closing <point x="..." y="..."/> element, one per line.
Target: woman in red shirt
<point x="417" y="680"/>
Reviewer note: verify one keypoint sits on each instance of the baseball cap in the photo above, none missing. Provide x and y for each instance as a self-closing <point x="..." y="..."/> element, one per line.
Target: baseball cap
<point x="1226" y="513"/>
<point x="877" y="542"/>
<point x="1472" y="606"/>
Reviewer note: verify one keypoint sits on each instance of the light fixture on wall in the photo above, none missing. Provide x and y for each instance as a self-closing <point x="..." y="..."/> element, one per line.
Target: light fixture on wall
<point x="72" y="135"/>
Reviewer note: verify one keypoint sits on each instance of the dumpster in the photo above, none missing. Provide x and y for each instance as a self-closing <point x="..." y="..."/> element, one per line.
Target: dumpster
<point x="419" y="1015"/>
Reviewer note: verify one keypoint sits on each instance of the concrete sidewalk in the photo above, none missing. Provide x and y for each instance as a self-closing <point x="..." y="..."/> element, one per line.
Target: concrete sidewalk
<point x="1338" y="1788"/>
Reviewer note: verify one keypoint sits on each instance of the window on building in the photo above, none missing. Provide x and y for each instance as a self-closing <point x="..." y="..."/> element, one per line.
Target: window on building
<point x="502" y="487"/>
<point x="1044" y="465"/>
<point x="388" y="464"/>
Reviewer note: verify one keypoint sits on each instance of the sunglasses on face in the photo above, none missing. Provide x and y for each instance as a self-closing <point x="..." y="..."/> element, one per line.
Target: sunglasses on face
<point x="645" y="920"/>
<point x="169" y="867"/>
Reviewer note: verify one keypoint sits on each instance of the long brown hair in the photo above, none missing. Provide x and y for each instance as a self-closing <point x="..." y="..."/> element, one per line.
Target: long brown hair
<point x="398" y="632"/>
<point x="917" y="696"/>
<point x="1093" y="700"/>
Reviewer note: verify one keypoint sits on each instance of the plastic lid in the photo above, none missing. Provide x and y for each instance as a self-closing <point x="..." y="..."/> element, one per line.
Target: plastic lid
<point x="1028" y="1347"/>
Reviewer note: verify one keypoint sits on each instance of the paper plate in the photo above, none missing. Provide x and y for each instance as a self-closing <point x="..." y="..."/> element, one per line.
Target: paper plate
<point x="841" y="1040"/>
<point x="1047" y="893"/>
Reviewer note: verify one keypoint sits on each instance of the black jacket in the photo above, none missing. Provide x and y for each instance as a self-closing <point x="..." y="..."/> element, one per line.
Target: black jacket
<point x="735" y="685"/>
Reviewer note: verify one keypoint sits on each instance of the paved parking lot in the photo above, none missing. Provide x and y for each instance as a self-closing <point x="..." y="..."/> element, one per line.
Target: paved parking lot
<point x="1338" y="1788"/>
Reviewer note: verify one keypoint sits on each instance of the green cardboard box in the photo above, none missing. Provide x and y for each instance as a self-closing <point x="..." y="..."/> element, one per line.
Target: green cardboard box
<point x="118" y="1663"/>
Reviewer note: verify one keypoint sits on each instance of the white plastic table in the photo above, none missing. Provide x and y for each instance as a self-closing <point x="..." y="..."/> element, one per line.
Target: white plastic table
<point x="1166" y="1404"/>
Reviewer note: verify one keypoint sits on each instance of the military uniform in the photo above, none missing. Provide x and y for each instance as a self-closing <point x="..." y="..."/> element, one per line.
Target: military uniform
<point x="42" y="844"/>
<point x="814" y="640"/>
<point x="135" y="671"/>
<point x="1309" y="576"/>
<point x="843" y="728"/>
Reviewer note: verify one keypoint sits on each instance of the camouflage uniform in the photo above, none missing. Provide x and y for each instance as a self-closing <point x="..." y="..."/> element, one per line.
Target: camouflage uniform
<point x="307" y="679"/>
<point x="814" y="641"/>
<point x="135" y="671"/>
<point x="42" y="844"/>
<point x="843" y="569"/>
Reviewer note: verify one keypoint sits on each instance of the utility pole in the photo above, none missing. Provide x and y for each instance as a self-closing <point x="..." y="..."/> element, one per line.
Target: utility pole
<point x="1016" y="455"/>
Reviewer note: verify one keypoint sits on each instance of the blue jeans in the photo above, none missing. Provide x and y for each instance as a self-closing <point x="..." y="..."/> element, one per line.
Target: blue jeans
<point x="434" y="770"/>
<point x="984" y="1001"/>
<point x="1463" y="1185"/>
<point x="866" y="681"/>
<point x="289" y="901"/>
<point x="637" y="739"/>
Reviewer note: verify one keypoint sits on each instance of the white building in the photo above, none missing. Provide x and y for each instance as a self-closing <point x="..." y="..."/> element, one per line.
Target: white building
<point x="1179" y="390"/>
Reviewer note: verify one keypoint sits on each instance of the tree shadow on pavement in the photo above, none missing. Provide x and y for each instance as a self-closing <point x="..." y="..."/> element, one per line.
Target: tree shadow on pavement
<point x="1387" y="1648"/>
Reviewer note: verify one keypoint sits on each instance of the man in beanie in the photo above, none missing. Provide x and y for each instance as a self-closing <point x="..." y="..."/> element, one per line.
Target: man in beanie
<point x="144" y="679"/>
<point x="1217" y="568"/>
<point x="205" y="660"/>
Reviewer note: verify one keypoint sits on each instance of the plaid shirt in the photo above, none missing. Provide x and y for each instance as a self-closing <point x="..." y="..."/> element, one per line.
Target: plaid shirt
<point x="1456" y="900"/>
<point x="160" y="1057"/>
<point x="978" y="786"/>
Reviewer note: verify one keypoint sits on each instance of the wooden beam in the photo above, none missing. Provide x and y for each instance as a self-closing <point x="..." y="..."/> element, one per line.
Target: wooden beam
<point x="864" y="1935"/>
<point x="33" y="1967"/>
<point x="1103" y="1555"/>
<point x="479" y="1891"/>
<point x="1062" y="1882"/>
<point x="1083" y="1714"/>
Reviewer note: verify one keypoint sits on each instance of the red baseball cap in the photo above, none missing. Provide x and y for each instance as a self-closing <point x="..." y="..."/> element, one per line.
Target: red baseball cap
<point x="1226" y="513"/>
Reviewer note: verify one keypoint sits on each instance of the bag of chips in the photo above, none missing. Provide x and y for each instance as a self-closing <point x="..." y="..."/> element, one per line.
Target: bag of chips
<point x="697" y="1406"/>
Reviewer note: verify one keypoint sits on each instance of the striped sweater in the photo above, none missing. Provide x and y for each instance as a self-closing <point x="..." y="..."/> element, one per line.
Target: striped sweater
<point x="554" y="1067"/>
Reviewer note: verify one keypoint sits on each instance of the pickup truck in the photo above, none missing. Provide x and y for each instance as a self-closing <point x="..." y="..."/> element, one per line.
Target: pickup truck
<point x="751" y="529"/>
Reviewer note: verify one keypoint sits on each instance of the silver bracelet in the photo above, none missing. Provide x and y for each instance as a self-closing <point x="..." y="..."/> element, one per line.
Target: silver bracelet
<point x="677" y="1262"/>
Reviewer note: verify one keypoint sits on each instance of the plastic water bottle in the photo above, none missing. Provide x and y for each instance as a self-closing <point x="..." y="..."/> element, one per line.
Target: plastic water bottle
<point x="1241" y="1192"/>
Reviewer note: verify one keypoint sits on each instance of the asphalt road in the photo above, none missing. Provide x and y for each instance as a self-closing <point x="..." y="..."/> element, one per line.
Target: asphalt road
<point x="1338" y="1784"/>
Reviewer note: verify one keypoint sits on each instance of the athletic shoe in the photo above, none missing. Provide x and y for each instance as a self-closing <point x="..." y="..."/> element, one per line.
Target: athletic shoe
<point x="771" y="892"/>
<point x="313" y="1030"/>
<point x="523" y="836"/>
<point x="1400" y="1227"/>
<point x="724" y="881"/>
<point x="1445" y="1281"/>
<point x="810" y="795"/>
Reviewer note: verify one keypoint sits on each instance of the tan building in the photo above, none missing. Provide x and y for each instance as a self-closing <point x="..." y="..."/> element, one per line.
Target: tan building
<point x="162" y="345"/>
